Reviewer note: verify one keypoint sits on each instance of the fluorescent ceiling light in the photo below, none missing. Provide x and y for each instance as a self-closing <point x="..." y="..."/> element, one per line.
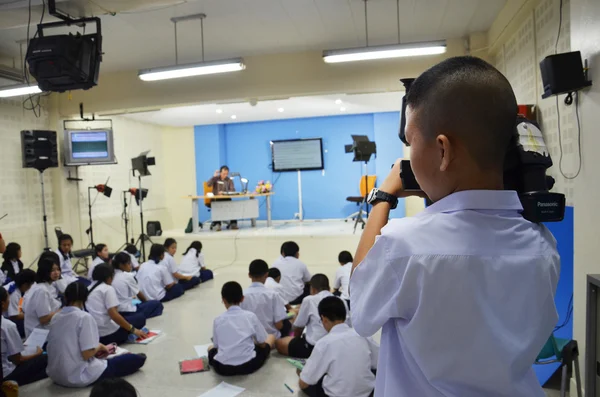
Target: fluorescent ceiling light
<point x="342" y="109"/>
<point x="192" y="69"/>
<point x="233" y="117"/>
<point x="385" y="51"/>
<point x="219" y="111"/>
<point x="17" y="90"/>
<point x="280" y="110"/>
<point x="338" y="101"/>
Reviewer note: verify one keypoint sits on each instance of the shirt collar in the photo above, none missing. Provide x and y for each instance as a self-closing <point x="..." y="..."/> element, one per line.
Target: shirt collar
<point x="339" y="328"/>
<point x="324" y="293"/>
<point x="233" y="308"/>
<point x="257" y="285"/>
<point x="502" y="200"/>
<point x="69" y="309"/>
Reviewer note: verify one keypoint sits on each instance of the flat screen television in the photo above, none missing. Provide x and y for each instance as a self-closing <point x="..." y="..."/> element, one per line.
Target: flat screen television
<point x="297" y="155"/>
<point x="89" y="147"/>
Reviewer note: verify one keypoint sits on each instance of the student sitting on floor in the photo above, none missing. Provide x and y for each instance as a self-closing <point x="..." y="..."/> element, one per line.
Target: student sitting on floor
<point x="74" y="345"/>
<point x="342" y="362"/>
<point x="301" y="345"/>
<point x="192" y="263"/>
<point x="16" y="290"/>
<point x="272" y="283"/>
<point x="41" y="302"/>
<point x="102" y="256"/>
<point x="265" y="303"/>
<point x="127" y="289"/>
<point x="185" y="280"/>
<point x="23" y="369"/>
<point x="102" y="304"/>
<point x="65" y="244"/>
<point x="155" y="280"/>
<point x="134" y="254"/>
<point x="294" y="274"/>
<point x="241" y="344"/>
<point x="12" y="265"/>
<point x="342" y="276"/>
<point x="114" y="387"/>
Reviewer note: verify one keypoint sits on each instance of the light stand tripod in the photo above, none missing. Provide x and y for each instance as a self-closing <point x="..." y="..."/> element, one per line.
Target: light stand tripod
<point x="363" y="149"/>
<point x="140" y="194"/>
<point x="107" y="191"/>
<point x="44" y="217"/>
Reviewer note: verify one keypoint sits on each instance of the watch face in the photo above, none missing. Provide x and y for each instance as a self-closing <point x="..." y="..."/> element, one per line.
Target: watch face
<point x="371" y="196"/>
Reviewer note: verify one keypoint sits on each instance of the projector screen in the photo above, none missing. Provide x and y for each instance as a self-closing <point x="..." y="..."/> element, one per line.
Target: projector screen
<point x="87" y="147"/>
<point x="297" y="155"/>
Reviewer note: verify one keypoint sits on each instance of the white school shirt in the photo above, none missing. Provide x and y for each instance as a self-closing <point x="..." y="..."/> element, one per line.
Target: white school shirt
<point x="169" y="262"/>
<point x="191" y="263"/>
<point x="235" y="333"/>
<point x="13" y="305"/>
<point x="73" y="331"/>
<point x="15" y="265"/>
<point x="294" y="274"/>
<point x="275" y="286"/>
<point x="102" y="298"/>
<point x="38" y="302"/>
<point x="134" y="262"/>
<point x="66" y="267"/>
<point x="11" y="345"/>
<point x="470" y="267"/>
<point x="266" y="304"/>
<point x="153" y="279"/>
<point x="97" y="261"/>
<point x="308" y="317"/>
<point x="126" y="287"/>
<point x="342" y="279"/>
<point x="345" y="360"/>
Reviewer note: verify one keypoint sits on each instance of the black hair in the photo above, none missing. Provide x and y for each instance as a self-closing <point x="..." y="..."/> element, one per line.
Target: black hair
<point x="64" y="237"/>
<point x="274" y="273"/>
<point x="224" y="168"/>
<point x="169" y="242"/>
<point x="101" y="273"/>
<point x="47" y="261"/>
<point x="258" y="268"/>
<point x="76" y="292"/>
<point x="132" y="249"/>
<point x="332" y="308"/>
<point x="345" y="257"/>
<point x="156" y="251"/>
<point x="197" y="245"/>
<point x="122" y="258"/>
<point x="320" y="282"/>
<point x="470" y="99"/>
<point x="98" y="248"/>
<point x="26" y="276"/>
<point x="3" y="295"/>
<point x="232" y="293"/>
<point x="289" y="248"/>
<point x="12" y="252"/>
<point x="113" y="387"/>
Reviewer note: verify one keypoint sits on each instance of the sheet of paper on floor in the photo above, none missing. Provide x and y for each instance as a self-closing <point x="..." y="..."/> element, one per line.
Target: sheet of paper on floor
<point x="223" y="390"/>
<point x="202" y="350"/>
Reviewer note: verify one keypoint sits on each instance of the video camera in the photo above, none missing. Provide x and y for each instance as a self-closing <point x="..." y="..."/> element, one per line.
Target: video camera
<point x="525" y="168"/>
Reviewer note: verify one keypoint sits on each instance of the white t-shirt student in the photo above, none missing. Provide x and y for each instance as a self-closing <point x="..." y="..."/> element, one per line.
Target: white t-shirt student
<point x="192" y="263"/>
<point x="308" y="317"/>
<point x="266" y="304"/>
<point x="345" y="360"/>
<point x="72" y="332"/>
<point x="235" y="333"/>
<point x="153" y="279"/>
<point x="126" y="287"/>
<point x="66" y="272"/>
<point x="102" y="298"/>
<point x="342" y="280"/>
<point x="169" y="262"/>
<point x="11" y="345"/>
<point x="97" y="261"/>
<point x="294" y="274"/>
<point x="14" y="298"/>
<point x="38" y="302"/>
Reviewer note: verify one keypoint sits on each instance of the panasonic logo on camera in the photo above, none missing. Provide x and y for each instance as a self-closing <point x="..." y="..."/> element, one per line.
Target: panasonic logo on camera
<point x="539" y="204"/>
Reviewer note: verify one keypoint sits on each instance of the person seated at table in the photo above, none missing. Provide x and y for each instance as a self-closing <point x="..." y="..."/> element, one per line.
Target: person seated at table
<point x="222" y="183"/>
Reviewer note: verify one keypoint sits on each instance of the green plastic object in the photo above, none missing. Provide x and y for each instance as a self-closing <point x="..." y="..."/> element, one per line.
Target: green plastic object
<point x="553" y="348"/>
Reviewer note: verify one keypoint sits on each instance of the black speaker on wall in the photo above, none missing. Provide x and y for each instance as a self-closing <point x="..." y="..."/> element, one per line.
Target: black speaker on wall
<point x="563" y="73"/>
<point x="39" y="149"/>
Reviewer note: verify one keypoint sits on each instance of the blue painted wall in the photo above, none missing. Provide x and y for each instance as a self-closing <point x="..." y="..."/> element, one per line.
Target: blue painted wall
<point x="245" y="148"/>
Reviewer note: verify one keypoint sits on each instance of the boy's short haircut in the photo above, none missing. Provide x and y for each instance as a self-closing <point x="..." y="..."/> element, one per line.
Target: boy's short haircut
<point x="132" y="249"/>
<point x="320" y="282"/>
<point x="258" y="268"/>
<point x="332" y="308"/>
<point x="345" y="257"/>
<point x="27" y="276"/>
<point x="289" y="248"/>
<point x="232" y="293"/>
<point x="274" y="273"/>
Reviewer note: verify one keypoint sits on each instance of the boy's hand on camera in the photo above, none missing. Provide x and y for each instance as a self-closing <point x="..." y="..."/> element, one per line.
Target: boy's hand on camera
<point x="392" y="183"/>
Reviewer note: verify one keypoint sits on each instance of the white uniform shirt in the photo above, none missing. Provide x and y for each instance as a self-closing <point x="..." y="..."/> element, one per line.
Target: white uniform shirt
<point x="342" y="280"/>
<point x="169" y="262"/>
<point x="134" y="262"/>
<point x="191" y="263"/>
<point x="72" y="332"/>
<point x="294" y="274"/>
<point x="275" y="286"/>
<point x="266" y="304"/>
<point x="38" y="302"/>
<point x="97" y="261"/>
<point x="126" y="287"/>
<point x="153" y="279"/>
<point x="308" y="317"/>
<point x="11" y="345"/>
<point x="345" y="359"/>
<point x="102" y="298"/>
<point x="66" y="267"/>
<point x="470" y="265"/>
<point x="15" y="265"/>
<point x="13" y="305"/>
<point x="235" y="333"/>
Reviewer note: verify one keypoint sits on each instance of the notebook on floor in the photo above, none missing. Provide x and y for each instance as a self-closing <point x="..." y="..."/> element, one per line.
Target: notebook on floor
<point x="153" y="334"/>
<point x="193" y="366"/>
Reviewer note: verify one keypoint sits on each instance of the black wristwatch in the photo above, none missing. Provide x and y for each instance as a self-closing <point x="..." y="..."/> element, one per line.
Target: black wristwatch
<point x="377" y="195"/>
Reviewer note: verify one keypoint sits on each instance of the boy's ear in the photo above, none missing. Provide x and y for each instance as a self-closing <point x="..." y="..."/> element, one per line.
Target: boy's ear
<point x="242" y="299"/>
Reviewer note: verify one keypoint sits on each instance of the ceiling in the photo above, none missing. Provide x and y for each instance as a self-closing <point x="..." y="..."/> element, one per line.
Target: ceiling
<point x="140" y="34"/>
<point x="297" y="107"/>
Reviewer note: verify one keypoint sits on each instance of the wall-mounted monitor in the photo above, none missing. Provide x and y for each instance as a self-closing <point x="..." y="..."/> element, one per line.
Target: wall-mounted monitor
<point x="297" y="155"/>
<point x="89" y="147"/>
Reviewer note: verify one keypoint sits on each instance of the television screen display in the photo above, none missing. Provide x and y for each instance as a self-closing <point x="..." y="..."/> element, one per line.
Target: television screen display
<point x="88" y="147"/>
<point x="297" y="155"/>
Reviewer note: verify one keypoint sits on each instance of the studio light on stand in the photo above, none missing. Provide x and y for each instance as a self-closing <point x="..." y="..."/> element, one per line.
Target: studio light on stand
<point x="141" y="164"/>
<point x="363" y="149"/>
<point x="106" y="191"/>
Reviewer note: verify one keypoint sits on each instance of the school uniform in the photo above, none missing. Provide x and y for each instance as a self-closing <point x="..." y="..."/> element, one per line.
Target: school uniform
<point x="153" y="278"/>
<point x="134" y="262"/>
<point x="127" y="289"/>
<point x="97" y="261"/>
<point x="27" y="372"/>
<point x="67" y="274"/>
<point x="341" y="364"/>
<point x="14" y="306"/>
<point x="294" y="276"/>
<point x="169" y="262"/>
<point x="39" y="301"/>
<point x="11" y="269"/>
<point x="342" y="280"/>
<point x="192" y="264"/>
<point x="73" y="331"/>
<point x="266" y="304"/>
<point x="235" y="351"/>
